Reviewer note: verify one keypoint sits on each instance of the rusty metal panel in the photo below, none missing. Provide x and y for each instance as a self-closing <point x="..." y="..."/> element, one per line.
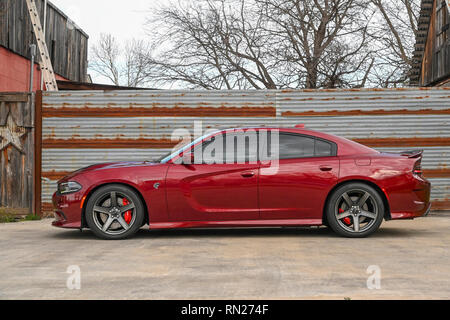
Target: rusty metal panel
<point x="365" y="102"/>
<point x="440" y="189"/>
<point x="397" y="126"/>
<point x="48" y="188"/>
<point x="16" y="152"/>
<point x="68" y="160"/>
<point x="80" y="126"/>
<point x="73" y="159"/>
<point x="171" y="103"/>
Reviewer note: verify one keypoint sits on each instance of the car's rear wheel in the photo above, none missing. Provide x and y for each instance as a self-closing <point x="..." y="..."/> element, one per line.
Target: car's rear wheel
<point x="355" y="210"/>
<point x="114" y="212"/>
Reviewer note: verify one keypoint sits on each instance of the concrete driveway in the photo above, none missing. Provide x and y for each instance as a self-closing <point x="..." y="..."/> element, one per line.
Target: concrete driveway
<point x="413" y="258"/>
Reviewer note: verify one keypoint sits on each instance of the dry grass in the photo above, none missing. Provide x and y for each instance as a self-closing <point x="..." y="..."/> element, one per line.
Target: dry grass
<point x="11" y="215"/>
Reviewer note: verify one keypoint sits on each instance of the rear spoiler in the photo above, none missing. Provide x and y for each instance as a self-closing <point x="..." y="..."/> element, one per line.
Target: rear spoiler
<point x="412" y="153"/>
<point x="409" y="153"/>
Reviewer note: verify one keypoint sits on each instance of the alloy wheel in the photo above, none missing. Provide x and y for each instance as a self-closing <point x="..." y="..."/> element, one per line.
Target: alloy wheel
<point x="356" y="210"/>
<point x="114" y="213"/>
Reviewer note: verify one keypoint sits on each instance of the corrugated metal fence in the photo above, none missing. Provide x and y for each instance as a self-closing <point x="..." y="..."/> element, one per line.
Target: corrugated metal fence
<point x="86" y="127"/>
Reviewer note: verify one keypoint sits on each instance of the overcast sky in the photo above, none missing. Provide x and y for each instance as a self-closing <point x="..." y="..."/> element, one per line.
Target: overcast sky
<point x="122" y="18"/>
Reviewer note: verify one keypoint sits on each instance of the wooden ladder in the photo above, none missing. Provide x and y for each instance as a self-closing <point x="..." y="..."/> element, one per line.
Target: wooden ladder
<point x="46" y="64"/>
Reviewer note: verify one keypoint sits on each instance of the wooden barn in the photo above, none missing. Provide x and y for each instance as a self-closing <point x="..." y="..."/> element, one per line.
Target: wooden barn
<point x="432" y="49"/>
<point x="67" y="45"/>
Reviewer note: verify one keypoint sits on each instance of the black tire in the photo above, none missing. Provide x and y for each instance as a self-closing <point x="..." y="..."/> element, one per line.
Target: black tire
<point x="347" y="217"/>
<point x="109" y="213"/>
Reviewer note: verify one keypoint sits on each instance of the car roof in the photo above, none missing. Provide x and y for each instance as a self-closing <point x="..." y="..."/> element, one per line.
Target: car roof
<point x="345" y="146"/>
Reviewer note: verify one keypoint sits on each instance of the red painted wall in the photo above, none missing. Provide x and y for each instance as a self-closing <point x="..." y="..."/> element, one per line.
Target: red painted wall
<point x="15" y="72"/>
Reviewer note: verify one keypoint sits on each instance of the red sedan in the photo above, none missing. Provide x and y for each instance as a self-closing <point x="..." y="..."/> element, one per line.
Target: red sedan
<point x="248" y="177"/>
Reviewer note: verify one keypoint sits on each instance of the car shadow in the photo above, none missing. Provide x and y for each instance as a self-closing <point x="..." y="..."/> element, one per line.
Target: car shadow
<point x="314" y="232"/>
<point x="144" y="232"/>
<point x="397" y="232"/>
<point x="236" y="232"/>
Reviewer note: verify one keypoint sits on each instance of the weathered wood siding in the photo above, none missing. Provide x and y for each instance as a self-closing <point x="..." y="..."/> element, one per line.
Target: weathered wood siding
<point x="67" y="44"/>
<point x="436" y="60"/>
<point x="16" y="152"/>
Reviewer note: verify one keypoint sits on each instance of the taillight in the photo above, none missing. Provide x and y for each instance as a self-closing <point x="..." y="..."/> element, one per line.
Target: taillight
<point x="417" y="170"/>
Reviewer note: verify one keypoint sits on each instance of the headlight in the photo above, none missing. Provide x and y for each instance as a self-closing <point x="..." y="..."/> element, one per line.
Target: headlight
<point x="68" y="187"/>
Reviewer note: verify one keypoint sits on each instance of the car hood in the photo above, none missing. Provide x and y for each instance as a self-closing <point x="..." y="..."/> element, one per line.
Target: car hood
<point x="108" y="165"/>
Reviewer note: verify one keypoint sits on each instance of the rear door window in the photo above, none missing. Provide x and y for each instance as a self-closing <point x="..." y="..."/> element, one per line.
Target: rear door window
<point x="292" y="146"/>
<point x="322" y="148"/>
<point x="295" y="146"/>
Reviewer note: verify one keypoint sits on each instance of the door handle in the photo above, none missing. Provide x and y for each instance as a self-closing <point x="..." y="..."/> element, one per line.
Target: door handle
<point x="325" y="168"/>
<point x="248" y="174"/>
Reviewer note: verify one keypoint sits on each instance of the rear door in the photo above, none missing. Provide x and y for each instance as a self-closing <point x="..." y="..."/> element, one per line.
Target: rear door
<point x="301" y="173"/>
<point x="223" y="185"/>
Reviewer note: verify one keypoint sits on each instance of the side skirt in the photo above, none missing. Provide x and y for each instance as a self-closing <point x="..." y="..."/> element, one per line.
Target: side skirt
<point x="236" y="223"/>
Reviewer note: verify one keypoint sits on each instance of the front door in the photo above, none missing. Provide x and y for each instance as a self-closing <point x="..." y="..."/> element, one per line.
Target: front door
<point x="222" y="186"/>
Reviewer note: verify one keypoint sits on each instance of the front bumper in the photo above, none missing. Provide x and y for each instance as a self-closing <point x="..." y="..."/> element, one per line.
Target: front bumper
<point x="67" y="209"/>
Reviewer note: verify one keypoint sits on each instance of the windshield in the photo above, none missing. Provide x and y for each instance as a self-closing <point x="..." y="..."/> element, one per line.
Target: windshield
<point x="166" y="157"/>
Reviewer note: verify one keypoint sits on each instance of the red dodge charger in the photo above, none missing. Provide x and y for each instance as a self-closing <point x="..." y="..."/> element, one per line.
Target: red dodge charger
<point x="248" y="177"/>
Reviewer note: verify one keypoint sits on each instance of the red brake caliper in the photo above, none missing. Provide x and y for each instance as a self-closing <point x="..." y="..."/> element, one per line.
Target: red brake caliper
<point x="127" y="214"/>
<point x="346" y="219"/>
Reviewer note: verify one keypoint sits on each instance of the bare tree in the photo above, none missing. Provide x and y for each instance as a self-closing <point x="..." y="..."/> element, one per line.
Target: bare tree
<point x="270" y="44"/>
<point x="138" y="63"/>
<point x="128" y="65"/>
<point x="394" y="32"/>
<point x="322" y="39"/>
<point x="105" y="58"/>
<point x="213" y="45"/>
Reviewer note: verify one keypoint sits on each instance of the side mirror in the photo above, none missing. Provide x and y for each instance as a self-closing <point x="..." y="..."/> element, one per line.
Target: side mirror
<point x="187" y="158"/>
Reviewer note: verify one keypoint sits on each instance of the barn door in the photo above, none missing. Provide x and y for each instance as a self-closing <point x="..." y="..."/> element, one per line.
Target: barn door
<point x="16" y="153"/>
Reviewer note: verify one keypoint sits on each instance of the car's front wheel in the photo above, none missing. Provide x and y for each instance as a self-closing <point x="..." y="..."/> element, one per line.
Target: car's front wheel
<point x="355" y="210"/>
<point x="114" y="212"/>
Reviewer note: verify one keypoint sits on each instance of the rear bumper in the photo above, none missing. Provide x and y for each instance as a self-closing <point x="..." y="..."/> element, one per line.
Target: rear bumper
<point x="411" y="215"/>
<point x="415" y="203"/>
